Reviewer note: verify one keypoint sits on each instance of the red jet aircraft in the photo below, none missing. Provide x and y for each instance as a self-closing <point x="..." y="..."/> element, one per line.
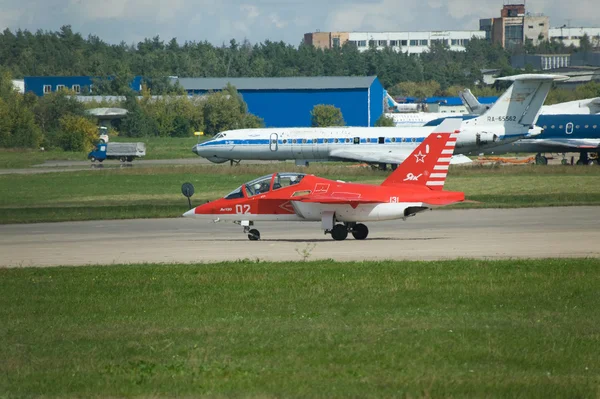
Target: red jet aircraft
<point x="416" y="185"/>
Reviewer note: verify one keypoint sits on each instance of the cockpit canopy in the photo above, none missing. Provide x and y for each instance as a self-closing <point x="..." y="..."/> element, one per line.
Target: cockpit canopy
<point x="266" y="183"/>
<point x="220" y="136"/>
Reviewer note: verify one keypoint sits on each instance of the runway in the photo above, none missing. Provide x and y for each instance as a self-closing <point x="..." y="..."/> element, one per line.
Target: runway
<point x="441" y="234"/>
<point x="78" y="166"/>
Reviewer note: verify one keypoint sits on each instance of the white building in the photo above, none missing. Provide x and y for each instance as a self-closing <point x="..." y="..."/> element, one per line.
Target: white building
<point x="413" y="42"/>
<point x="408" y="42"/>
<point x="572" y="36"/>
<point x="19" y="85"/>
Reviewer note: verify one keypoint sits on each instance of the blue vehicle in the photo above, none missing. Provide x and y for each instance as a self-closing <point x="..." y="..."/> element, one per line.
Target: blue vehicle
<point x="125" y="152"/>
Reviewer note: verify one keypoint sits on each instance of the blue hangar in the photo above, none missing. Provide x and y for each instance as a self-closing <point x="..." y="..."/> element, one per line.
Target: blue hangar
<point x="287" y="102"/>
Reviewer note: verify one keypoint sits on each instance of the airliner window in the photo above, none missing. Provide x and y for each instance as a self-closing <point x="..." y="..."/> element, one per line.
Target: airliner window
<point x="393" y="139"/>
<point x="560" y="126"/>
<point x="336" y="140"/>
<point x="294" y="141"/>
<point x="237" y="193"/>
<point x="284" y="141"/>
<point x="587" y="126"/>
<point x="413" y="139"/>
<point x="357" y="140"/>
<point x="303" y="141"/>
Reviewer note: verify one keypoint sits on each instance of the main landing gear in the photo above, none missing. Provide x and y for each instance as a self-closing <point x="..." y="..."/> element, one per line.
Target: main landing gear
<point x="340" y="231"/>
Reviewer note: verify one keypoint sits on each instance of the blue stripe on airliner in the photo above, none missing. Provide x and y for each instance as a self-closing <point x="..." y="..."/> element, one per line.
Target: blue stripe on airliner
<point x="372" y="140"/>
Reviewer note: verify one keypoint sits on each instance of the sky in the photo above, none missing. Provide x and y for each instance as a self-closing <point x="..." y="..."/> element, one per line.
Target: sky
<point x="219" y="21"/>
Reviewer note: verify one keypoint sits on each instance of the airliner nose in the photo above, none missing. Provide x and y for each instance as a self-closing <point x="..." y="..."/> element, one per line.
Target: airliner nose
<point x="195" y="149"/>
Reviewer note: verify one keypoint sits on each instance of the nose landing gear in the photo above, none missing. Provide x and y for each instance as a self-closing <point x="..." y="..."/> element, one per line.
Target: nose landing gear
<point x="253" y="234"/>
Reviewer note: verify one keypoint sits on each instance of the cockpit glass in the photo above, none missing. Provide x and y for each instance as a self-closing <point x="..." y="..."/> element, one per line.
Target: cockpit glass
<point x="287" y="179"/>
<point x="219" y="136"/>
<point x="237" y="193"/>
<point x="259" y="186"/>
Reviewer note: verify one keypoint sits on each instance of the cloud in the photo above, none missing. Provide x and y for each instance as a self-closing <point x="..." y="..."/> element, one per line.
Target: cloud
<point x="219" y="21"/>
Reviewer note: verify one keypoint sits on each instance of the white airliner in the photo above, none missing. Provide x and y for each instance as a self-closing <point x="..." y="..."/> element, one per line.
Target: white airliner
<point x="588" y="106"/>
<point x="416" y="119"/>
<point x="509" y="119"/>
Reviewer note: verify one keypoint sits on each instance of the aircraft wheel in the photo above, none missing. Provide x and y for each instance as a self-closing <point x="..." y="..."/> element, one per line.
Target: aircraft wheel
<point x="360" y="231"/>
<point x="93" y="159"/>
<point x="122" y="159"/>
<point x="541" y="160"/>
<point x="339" y="232"/>
<point x="394" y="166"/>
<point x="254" y="235"/>
<point x="101" y="160"/>
<point x="593" y="162"/>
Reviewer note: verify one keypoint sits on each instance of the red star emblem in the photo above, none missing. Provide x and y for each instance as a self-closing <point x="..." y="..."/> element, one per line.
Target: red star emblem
<point x="420" y="157"/>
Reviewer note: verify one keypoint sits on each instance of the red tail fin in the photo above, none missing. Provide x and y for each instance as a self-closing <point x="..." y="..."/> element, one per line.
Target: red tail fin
<point x="428" y="163"/>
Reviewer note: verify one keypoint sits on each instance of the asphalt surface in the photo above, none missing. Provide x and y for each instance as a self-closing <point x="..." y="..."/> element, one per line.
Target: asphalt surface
<point x="75" y="166"/>
<point x="441" y="234"/>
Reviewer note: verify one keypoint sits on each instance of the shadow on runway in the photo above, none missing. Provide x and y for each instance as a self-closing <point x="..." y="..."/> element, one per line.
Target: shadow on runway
<point x="311" y="240"/>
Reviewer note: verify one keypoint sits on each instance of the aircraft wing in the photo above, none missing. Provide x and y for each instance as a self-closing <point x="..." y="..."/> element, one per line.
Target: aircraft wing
<point x="568" y="143"/>
<point x="365" y="154"/>
<point x="349" y="199"/>
<point x="384" y="155"/>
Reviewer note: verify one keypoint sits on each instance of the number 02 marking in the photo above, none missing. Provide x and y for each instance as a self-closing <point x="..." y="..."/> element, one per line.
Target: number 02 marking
<point x="241" y="209"/>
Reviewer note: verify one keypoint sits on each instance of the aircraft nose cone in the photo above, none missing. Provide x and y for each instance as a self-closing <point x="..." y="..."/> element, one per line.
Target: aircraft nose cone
<point x="195" y="149"/>
<point x="190" y="213"/>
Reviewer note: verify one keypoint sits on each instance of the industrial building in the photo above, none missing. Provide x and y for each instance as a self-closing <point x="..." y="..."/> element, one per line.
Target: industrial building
<point x="407" y="42"/>
<point x="287" y="102"/>
<point x="515" y="26"/>
<point x="41" y="85"/>
<point x="572" y="36"/>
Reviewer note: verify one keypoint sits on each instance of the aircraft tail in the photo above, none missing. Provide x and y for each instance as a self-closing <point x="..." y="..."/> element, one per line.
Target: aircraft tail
<point x="428" y="164"/>
<point x="471" y="102"/>
<point x="520" y="105"/>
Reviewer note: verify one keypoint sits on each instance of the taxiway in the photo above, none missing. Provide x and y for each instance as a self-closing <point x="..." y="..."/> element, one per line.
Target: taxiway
<point x="442" y="234"/>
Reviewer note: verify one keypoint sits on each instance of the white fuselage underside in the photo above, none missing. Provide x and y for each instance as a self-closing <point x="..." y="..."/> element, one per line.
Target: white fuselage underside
<point x="312" y="212"/>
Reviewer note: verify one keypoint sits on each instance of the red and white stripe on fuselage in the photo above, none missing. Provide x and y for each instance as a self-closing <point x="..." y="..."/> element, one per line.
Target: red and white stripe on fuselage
<point x="436" y="179"/>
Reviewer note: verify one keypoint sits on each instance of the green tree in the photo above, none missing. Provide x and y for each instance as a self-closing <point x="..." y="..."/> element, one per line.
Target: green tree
<point x="17" y="121"/>
<point x="385" y="121"/>
<point x="77" y="133"/>
<point x="137" y="123"/>
<point x="323" y="115"/>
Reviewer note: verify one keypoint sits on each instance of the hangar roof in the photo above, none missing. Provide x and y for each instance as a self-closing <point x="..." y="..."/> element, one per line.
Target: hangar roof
<point x="297" y="83"/>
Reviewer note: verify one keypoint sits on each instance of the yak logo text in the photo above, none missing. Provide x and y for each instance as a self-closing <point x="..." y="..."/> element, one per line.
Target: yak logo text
<point x="411" y="177"/>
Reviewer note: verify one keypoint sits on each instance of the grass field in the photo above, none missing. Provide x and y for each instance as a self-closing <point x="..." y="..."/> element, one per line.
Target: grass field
<point x="156" y="191"/>
<point x="515" y="328"/>
<point x="156" y="148"/>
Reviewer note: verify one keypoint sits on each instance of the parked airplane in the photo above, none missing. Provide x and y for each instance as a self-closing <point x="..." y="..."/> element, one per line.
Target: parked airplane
<point x="561" y="134"/>
<point x="509" y="119"/>
<point x="573" y="126"/>
<point x="474" y="107"/>
<point x="342" y="207"/>
<point x="578" y="107"/>
<point x="416" y="119"/>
